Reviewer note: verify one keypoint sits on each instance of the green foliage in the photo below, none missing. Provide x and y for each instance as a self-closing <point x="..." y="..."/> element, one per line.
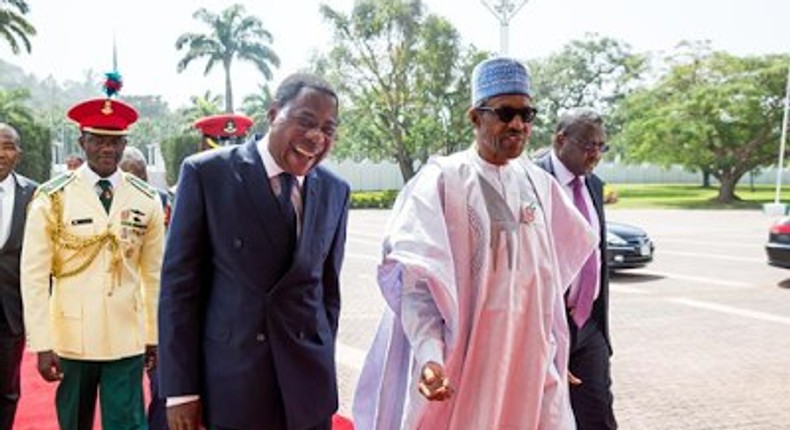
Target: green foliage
<point x="373" y="199"/>
<point x="232" y="35"/>
<point x="35" y="138"/>
<point x="596" y="72"/>
<point x="36" y="160"/>
<point x="255" y="106"/>
<point x="14" y="28"/>
<point x="403" y="77"/>
<point x="712" y="112"/>
<point x="175" y="149"/>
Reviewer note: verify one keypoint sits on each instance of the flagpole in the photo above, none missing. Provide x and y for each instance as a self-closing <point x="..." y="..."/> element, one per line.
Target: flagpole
<point x="782" y="140"/>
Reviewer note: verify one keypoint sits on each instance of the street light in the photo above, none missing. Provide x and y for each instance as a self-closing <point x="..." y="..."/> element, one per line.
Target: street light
<point x="504" y="11"/>
<point x="780" y="164"/>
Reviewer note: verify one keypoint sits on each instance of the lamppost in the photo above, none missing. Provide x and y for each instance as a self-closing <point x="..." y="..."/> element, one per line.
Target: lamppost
<point x="780" y="163"/>
<point x="504" y="11"/>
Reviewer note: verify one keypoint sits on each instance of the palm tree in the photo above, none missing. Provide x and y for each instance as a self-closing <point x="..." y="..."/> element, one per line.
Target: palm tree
<point x="205" y="105"/>
<point x="12" y="106"/>
<point x="13" y="27"/>
<point x="255" y="106"/>
<point x="233" y="35"/>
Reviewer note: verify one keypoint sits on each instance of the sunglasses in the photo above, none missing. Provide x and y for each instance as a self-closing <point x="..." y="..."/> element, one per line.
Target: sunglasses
<point x="591" y="146"/>
<point x="506" y="113"/>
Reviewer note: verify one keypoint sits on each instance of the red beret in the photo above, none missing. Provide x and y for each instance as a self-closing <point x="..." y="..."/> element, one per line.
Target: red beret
<point x="224" y="125"/>
<point x="103" y="116"/>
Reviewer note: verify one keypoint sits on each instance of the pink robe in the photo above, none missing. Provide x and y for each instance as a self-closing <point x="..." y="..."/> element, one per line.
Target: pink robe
<point x="480" y="256"/>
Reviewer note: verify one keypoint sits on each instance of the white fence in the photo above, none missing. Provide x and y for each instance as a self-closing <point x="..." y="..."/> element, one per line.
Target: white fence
<point x="366" y="175"/>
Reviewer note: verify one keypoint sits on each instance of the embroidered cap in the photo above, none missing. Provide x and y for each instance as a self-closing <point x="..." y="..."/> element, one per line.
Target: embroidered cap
<point x="499" y="76"/>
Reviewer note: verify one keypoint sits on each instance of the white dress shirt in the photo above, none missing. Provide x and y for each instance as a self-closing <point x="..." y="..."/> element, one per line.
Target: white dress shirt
<point x="6" y="207"/>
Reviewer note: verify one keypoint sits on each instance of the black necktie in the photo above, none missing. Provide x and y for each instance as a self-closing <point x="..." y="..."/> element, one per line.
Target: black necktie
<point x="105" y="196"/>
<point x="287" y="182"/>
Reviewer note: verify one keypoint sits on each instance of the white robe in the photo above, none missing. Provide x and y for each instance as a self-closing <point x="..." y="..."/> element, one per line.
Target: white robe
<point x="476" y="261"/>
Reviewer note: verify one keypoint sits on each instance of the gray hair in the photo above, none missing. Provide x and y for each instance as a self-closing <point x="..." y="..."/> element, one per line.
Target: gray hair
<point x="577" y="117"/>
<point x="6" y="128"/>
<point x="130" y="153"/>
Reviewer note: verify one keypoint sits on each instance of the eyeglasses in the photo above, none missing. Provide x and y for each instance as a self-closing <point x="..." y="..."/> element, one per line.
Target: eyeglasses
<point x="507" y="113"/>
<point x="307" y="124"/>
<point x="592" y="146"/>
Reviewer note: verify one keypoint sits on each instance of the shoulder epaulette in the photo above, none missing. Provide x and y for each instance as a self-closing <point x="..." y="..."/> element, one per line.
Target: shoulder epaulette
<point x="141" y="185"/>
<point x="57" y="183"/>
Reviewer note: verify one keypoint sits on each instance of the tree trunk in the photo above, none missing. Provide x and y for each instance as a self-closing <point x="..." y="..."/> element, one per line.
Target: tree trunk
<point x="406" y="167"/>
<point x="228" y="88"/>
<point x="727" y="189"/>
<point x="705" y="179"/>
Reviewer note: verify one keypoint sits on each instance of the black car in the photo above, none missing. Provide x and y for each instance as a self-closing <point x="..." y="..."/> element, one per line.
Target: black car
<point x="628" y="247"/>
<point x="778" y="246"/>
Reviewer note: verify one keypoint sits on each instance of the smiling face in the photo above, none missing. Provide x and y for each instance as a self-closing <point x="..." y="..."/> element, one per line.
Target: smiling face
<point x="9" y="152"/>
<point x="103" y="152"/>
<point x="498" y="141"/>
<point x="302" y="130"/>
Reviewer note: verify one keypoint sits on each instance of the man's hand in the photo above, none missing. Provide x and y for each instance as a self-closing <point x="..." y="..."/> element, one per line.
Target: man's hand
<point x="150" y="357"/>
<point x="49" y="366"/>
<point x="573" y="380"/>
<point x="434" y="385"/>
<point x="185" y="416"/>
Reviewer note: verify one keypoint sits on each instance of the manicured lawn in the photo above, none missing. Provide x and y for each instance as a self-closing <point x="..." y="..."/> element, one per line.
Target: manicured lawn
<point x="692" y="196"/>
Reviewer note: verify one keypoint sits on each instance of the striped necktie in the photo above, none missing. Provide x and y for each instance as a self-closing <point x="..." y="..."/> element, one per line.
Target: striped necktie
<point x="287" y="182"/>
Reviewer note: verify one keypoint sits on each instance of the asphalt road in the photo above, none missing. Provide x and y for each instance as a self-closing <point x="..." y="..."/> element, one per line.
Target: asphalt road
<point x="700" y="335"/>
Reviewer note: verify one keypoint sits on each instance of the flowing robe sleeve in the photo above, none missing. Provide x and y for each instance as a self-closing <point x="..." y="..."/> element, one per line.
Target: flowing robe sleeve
<point x="416" y="279"/>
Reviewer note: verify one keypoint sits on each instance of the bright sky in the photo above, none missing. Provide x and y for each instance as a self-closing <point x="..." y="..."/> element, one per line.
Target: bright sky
<point x="74" y="36"/>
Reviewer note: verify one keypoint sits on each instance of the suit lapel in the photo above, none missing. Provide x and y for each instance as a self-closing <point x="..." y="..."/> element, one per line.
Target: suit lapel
<point x="312" y="189"/>
<point x="21" y="198"/>
<point x="597" y="195"/>
<point x="255" y="182"/>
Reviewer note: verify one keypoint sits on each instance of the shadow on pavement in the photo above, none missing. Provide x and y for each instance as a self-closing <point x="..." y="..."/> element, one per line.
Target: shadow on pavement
<point x="784" y="284"/>
<point x="634" y="277"/>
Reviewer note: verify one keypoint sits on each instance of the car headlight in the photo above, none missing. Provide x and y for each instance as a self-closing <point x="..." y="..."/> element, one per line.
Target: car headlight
<point x="613" y="239"/>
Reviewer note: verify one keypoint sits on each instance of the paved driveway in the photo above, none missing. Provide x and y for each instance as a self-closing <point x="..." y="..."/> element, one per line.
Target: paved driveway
<point x="701" y="335"/>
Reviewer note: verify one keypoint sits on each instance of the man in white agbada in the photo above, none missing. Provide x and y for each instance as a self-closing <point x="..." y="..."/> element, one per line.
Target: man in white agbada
<point x="478" y="252"/>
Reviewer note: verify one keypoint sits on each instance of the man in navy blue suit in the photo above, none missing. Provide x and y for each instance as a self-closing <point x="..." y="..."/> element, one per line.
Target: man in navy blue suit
<point x="578" y="144"/>
<point x="250" y="295"/>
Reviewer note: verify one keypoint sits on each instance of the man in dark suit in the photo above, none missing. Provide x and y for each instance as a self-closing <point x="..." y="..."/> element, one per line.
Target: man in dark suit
<point x="14" y="198"/>
<point x="579" y="142"/>
<point x="250" y="295"/>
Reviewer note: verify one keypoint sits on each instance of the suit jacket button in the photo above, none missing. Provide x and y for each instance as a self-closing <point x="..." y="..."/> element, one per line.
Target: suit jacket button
<point x="237" y="243"/>
<point x="300" y="335"/>
<point x="260" y="337"/>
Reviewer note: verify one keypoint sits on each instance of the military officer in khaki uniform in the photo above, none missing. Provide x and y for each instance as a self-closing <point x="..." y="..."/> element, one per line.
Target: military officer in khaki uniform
<point x="97" y="233"/>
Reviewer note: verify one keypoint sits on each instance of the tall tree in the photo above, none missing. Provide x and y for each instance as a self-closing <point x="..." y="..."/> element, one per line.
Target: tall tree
<point x="14" y="28"/>
<point x="712" y="112"/>
<point x="596" y="72"/>
<point x="233" y="35"/>
<point x="403" y="76"/>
